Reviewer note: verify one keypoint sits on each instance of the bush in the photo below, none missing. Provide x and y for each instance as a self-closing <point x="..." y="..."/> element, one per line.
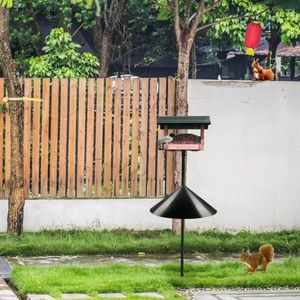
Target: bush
<point x="61" y="58"/>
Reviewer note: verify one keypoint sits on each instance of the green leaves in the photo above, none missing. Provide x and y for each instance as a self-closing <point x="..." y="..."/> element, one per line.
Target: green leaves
<point x="288" y="21"/>
<point x="7" y="3"/>
<point x="286" y="4"/>
<point x="285" y="20"/>
<point x="87" y="3"/>
<point x="3" y="107"/>
<point x="85" y="15"/>
<point x="61" y="58"/>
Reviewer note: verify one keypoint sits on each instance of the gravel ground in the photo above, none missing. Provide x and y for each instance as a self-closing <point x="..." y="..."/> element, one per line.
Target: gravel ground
<point x="190" y="293"/>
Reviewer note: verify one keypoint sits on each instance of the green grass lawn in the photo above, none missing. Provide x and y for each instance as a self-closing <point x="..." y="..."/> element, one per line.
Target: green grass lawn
<point x="130" y="241"/>
<point x="165" y="279"/>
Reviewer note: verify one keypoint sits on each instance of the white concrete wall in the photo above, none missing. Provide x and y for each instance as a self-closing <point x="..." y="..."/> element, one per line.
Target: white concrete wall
<point x="249" y="170"/>
<point x="250" y="167"/>
<point x="92" y="214"/>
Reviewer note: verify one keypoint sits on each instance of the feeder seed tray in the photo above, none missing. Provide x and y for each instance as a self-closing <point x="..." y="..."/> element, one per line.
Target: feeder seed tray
<point x="184" y="141"/>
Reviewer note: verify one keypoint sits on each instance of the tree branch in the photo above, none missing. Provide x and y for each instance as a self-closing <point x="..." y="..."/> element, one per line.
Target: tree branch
<point x="187" y="12"/>
<point x="211" y="7"/>
<point x="192" y="16"/>
<point x="126" y="53"/>
<point x="111" y="7"/>
<point x="228" y="19"/>
<point x="98" y="8"/>
<point x="196" y="19"/>
<point x="105" y="15"/>
<point x="77" y="29"/>
<point x="176" y="20"/>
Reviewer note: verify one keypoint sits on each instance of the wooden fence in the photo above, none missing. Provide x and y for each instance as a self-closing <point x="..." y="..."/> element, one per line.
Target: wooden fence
<point x="91" y="138"/>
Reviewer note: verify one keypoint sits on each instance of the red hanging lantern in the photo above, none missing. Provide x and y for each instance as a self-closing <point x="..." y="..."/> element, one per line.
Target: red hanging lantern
<point x="252" y="37"/>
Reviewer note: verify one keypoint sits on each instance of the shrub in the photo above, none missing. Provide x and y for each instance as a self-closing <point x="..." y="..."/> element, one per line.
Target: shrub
<point x="61" y="58"/>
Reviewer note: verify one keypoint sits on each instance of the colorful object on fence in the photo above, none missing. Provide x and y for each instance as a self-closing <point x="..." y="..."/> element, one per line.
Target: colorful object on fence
<point x="252" y="37"/>
<point x="5" y="99"/>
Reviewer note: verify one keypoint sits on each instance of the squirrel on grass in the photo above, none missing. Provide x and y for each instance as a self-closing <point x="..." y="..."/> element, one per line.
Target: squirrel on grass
<point x="254" y="260"/>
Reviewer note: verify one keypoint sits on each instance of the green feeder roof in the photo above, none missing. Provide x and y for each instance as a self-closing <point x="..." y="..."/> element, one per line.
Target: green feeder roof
<point x="184" y="122"/>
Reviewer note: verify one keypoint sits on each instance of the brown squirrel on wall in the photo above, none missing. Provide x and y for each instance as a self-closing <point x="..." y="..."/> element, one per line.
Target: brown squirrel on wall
<point x="262" y="258"/>
<point x="259" y="73"/>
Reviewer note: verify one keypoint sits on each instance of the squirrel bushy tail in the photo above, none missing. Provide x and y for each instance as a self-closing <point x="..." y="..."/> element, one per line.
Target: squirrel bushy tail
<point x="267" y="251"/>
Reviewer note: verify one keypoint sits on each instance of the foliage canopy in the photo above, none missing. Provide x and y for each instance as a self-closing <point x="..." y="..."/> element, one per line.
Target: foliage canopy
<point x="146" y="33"/>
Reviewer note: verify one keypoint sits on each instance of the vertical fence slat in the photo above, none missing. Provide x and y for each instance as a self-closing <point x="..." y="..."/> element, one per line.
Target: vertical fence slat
<point x="135" y="141"/>
<point x="161" y="154"/>
<point x="90" y="137"/>
<point x="170" y="154"/>
<point x="1" y="137"/>
<point x="72" y="138"/>
<point x="81" y="137"/>
<point x="107" y="143"/>
<point x="152" y="137"/>
<point x="125" y="137"/>
<point x="144" y="134"/>
<point x="27" y="136"/>
<point x="36" y="138"/>
<point x="99" y="137"/>
<point x="53" y="138"/>
<point x="45" y="137"/>
<point x="62" y="171"/>
<point x="117" y="138"/>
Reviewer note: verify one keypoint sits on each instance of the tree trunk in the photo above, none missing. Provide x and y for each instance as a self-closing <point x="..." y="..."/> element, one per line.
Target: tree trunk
<point x="272" y="54"/>
<point x="102" y="46"/>
<point x="16" y="199"/>
<point x="106" y="46"/>
<point x="97" y="37"/>
<point x="182" y="79"/>
<point x="273" y="42"/>
<point x="194" y="61"/>
<point x="181" y="110"/>
<point x="106" y="27"/>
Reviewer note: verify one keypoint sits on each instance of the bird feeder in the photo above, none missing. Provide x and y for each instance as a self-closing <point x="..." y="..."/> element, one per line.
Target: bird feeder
<point x="184" y="141"/>
<point x="252" y="37"/>
<point x="183" y="203"/>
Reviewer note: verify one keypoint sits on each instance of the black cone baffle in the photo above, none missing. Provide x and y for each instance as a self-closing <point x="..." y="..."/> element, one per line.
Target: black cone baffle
<point x="183" y="203"/>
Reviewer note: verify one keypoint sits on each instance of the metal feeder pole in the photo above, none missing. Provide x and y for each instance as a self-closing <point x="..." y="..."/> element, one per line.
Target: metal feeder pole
<point x="183" y="161"/>
<point x="182" y="246"/>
